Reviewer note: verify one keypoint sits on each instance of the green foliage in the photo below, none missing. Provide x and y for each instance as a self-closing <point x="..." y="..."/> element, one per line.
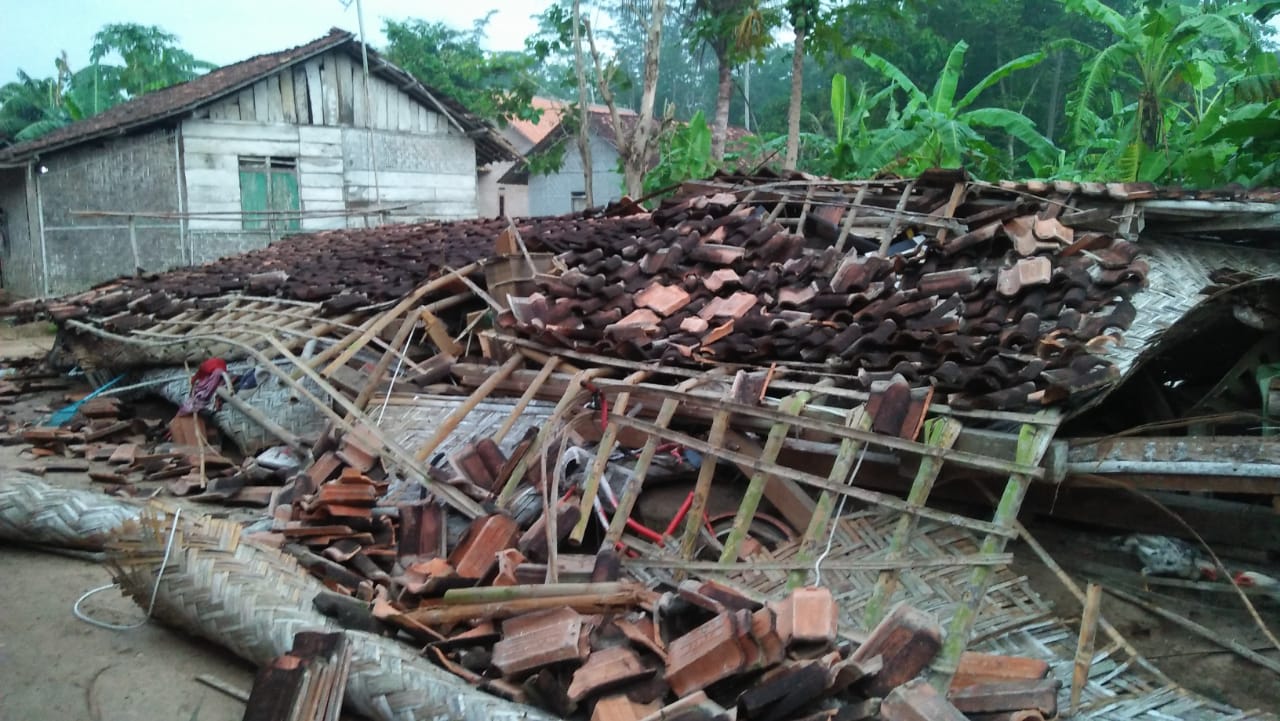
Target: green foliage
<point x="685" y="152"/>
<point x="934" y="129"/>
<point x="497" y="86"/>
<point x="1150" y="103"/>
<point x="151" y="60"/>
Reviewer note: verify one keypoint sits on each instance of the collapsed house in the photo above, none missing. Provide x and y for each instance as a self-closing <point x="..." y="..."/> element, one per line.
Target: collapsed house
<point x="723" y="456"/>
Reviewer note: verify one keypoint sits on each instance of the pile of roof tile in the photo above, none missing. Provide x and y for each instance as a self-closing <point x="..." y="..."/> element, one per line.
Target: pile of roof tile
<point x="594" y="644"/>
<point x="343" y="269"/>
<point x="1008" y="314"/>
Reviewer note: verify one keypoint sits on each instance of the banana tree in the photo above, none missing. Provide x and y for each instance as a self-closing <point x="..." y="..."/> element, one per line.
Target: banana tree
<point x="1177" y="65"/>
<point x="937" y="130"/>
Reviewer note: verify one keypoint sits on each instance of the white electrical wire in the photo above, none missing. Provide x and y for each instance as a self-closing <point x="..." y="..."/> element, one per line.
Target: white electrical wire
<point x="835" y="520"/>
<point x="395" y="375"/>
<point x="155" y="590"/>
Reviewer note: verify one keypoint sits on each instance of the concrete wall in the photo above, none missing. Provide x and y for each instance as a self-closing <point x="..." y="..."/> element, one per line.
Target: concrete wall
<point x="515" y="198"/>
<point x="553" y="194"/>
<point x="137" y="173"/>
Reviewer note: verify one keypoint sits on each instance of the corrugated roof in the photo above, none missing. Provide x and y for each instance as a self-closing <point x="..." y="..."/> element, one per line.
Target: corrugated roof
<point x="161" y="105"/>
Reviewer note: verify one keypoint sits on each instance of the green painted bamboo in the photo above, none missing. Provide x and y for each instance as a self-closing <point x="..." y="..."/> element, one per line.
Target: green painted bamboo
<point x="702" y="488"/>
<point x="1033" y="441"/>
<point x="605" y="450"/>
<point x="884" y="500"/>
<point x="755" y="487"/>
<point x="849" y="449"/>
<point x="490" y="594"/>
<point x="939" y="432"/>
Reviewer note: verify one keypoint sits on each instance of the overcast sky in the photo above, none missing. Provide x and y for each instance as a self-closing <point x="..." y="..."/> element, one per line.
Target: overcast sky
<point x="224" y="31"/>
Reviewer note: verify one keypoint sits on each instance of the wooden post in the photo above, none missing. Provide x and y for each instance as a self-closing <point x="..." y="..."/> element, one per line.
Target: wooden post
<point x="1084" y="647"/>
<point x="940" y="433"/>
<point x="755" y="487"/>
<point x="133" y="244"/>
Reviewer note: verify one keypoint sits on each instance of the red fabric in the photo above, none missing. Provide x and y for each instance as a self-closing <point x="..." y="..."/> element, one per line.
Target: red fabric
<point x="208" y="368"/>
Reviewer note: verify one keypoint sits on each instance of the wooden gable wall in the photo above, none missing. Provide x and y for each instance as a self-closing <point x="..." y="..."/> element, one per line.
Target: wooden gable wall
<point x="328" y="90"/>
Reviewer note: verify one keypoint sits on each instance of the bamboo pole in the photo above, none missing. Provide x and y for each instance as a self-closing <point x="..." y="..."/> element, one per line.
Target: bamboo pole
<point x="840" y="470"/>
<point x="1084" y="646"/>
<point x="349" y="345"/>
<point x="881" y="499"/>
<point x="491" y="594"/>
<point x="702" y="488"/>
<point x="755" y="487"/>
<point x="588" y="603"/>
<point x="450" y="423"/>
<point x="940" y="432"/>
<point x="1215" y="636"/>
<point x="998" y="559"/>
<point x="1033" y="441"/>
<point x="632" y="492"/>
<point x="601" y="462"/>
<point x="384" y="361"/>
<point x="548" y="367"/>
<point x="570" y="396"/>
<point x="1074" y="588"/>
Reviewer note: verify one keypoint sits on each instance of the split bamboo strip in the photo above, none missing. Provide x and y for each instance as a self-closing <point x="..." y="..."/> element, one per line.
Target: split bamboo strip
<point x="450" y="423"/>
<point x="348" y="346"/>
<point x="449" y="494"/>
<point x="780" y="384"/>
<point x="548" y="367"/>
<point x="817" y="528"/>
<point x="940" y="432"/>
<point x="571" y="395"/>
<point x="755" y="487"/>
<point x="384" y="361"/>
<point x="628" y="501"/>
<point x="1033" y="441"/>
<point x="583" y="603"/>
<point x="601" y="462"/>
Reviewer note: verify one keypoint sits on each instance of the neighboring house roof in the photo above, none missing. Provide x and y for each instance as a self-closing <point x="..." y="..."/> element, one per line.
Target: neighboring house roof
<point x="173" y="101"/>
<point x="552" y="110"/>
<point x="602" y="127"/>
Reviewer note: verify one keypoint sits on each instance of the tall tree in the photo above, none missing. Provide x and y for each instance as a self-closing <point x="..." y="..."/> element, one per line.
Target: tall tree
<point x="584" y="107"/>
<point x="152" y="57"/>
<point x="497" y="86"/>
<point x="734" y="31"/>
<point x="804" y="16"/>
<point x="636" y="138"/>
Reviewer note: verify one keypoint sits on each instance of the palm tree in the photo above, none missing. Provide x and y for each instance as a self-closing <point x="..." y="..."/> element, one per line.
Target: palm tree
<point x="734" y="31"/>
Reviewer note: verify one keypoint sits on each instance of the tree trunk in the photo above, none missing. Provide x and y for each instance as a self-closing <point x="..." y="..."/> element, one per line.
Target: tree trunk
<point x="1051" y="122"/>
<point x="793" y="106"/>
<point x="584" y="107"/>
<point x="638" y="159"/>
<point x="724" y="92"/>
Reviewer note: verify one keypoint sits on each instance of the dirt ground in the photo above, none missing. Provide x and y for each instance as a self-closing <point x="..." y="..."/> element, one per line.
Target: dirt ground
<point x="54" y="666"/>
